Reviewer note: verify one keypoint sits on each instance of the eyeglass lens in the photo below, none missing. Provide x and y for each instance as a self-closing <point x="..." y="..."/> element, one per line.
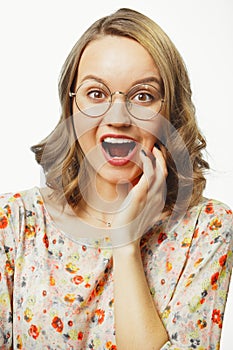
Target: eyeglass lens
<point x="93" y="98"/>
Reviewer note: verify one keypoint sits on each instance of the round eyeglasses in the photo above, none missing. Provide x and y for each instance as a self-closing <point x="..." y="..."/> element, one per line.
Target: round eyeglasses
<point x="93" y="98"/>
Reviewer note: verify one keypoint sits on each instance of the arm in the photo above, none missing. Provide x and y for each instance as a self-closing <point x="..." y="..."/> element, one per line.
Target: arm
<point x="7" y="252"/>
<point x="194" y="314"/>
<point x="138" y="325"/>
<point x="193" y="317"/>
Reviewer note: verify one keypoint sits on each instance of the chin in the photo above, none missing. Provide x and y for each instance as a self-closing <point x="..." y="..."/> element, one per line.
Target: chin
<point x="122" y="177"/>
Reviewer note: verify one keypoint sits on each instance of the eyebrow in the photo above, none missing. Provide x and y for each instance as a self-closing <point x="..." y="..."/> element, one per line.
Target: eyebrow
<point x="146" y="80"/>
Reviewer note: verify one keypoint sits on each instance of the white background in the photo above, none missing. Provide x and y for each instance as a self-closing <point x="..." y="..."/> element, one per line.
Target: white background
<point x="36" y="37"/>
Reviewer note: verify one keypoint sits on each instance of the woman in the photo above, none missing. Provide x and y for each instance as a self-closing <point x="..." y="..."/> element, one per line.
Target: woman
<point x="120" y="250"/>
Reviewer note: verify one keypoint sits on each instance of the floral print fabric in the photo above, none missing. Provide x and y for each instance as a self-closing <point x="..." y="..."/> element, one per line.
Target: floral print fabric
<point x="56" y="293"/>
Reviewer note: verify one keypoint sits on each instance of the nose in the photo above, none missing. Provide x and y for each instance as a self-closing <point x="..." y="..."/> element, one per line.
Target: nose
<point x="118" y="114"/>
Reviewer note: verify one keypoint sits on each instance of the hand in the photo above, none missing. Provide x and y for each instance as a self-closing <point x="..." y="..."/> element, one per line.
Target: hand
<point x="144" y="203"/>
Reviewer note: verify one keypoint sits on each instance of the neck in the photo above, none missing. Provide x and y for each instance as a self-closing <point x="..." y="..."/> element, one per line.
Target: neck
<point x="105" y="196"/>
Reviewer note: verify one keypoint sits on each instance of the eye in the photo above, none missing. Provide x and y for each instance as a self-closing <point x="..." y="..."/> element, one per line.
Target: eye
<point x="142" y="97"/>
<point x="144" y="94"/>
<point x="97" y="95"/>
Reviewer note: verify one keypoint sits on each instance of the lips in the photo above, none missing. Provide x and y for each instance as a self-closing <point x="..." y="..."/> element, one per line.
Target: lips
<point x="117" y="149"/>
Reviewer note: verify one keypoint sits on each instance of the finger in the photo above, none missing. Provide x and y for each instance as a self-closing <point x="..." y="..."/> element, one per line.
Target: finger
<point x="148" y="175"/>
<point x="148" y="162"/>
<point x="161" y="166"/>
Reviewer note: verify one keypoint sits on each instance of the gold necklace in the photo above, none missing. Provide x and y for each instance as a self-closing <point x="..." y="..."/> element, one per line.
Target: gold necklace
<point x="107" y="223"/>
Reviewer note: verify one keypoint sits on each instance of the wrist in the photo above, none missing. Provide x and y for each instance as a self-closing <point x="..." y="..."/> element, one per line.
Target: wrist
<point x="129" y="249"/>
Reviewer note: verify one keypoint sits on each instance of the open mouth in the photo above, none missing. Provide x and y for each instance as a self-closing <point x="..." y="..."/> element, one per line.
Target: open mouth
<point x="118" y="147"/>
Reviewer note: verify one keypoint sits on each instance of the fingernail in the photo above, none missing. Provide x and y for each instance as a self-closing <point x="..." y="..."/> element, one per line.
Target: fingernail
<point x="143" y="152"/>
<point x="157" y="146"/>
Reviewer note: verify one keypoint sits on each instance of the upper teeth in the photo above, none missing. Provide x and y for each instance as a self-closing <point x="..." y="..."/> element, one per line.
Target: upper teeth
<point x="117" y="140"/>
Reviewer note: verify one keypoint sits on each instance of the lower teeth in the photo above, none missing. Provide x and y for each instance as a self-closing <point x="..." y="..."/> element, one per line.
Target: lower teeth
<point x="118" y="150"/>
<point x="117" y="156"/>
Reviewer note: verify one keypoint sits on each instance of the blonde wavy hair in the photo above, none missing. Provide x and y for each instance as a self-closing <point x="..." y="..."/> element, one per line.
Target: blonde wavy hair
<point x="60" y="154"/>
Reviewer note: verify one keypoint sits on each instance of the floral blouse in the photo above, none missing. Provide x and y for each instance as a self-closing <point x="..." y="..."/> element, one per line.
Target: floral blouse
<point x="57" y="293"/>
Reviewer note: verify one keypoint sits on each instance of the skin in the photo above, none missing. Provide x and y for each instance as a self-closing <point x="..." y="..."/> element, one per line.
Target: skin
<point x="124" y="195"/>
<point x="112" y="59"/>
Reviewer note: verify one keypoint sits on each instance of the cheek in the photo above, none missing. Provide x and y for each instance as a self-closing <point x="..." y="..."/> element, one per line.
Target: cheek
<point x="86" y="133"/>
<point x="150" y="133"/>
<point x="85" y="130"/>
<point x="147" y="141"/>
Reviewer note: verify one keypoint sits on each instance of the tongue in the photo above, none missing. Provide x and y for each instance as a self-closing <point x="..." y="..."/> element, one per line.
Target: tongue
<point x="118" y="150"/>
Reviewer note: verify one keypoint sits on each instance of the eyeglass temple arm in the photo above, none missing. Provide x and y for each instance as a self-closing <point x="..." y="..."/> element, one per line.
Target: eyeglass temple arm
<point x="72" y="94"/>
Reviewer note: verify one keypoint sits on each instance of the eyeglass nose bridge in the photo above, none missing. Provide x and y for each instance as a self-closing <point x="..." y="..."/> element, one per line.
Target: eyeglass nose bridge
<point x="119" y="93"/>
<point x="126" y="100"/>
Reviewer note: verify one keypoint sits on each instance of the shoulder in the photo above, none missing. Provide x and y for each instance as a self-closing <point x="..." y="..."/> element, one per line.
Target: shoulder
<point x="212" y="232"/>
<point x="212" y="205"/>
<point x="19" y="200"/>
<point x="15" y="207"/>
<point x="217" y="217"/>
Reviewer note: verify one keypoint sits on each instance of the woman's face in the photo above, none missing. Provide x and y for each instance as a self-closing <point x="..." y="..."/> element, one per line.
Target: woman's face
<point x="112" y="142"/>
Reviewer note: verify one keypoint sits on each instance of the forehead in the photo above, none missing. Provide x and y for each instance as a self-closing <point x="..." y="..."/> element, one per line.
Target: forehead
<point x="116" y="59"/>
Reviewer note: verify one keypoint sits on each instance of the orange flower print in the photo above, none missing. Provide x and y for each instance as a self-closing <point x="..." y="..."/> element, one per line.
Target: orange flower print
<point x="222" y="260"/>
<point x="71" y="268"/>
<point x="19" y="344"/>
<point x="70" y="298"/>
<point x="46" y="241"/>
<point x="228" y="211"/>
<point x="97" y="290"/>
<point x="201" y="324"/>
<point x="30" y="231"/>
<point x="209" y="208"/>
<point x="190" y="279"/>
<point x="8" y="208"/>
<point x="196" y="233"/>
<point x="217" y="317"/>
<point x="77" y="279"/>
<point x="168" y="266"/>
<point x="215" y="224"/>
<point x="186" y="242"/>
<point x="214" y="278"/>
<point x="162" y="237"/>
<point x="198" y="262"/>
<point x="80" y="335"/>
<point x="39" y="202"/>
<point x="34" y="331"/>
<point x="52" y="281"/>
<point x="110" y="346"/>
<point x="100" y="315"/>
<point x="17" y="195"/>
<point x="28" y="315"/>
<point x="3" y="221"/>
<point x="57" y="324"/>
<point x="100" y="287"/>
<point x="9" y="268"/>
<point x="70" y="323"/>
